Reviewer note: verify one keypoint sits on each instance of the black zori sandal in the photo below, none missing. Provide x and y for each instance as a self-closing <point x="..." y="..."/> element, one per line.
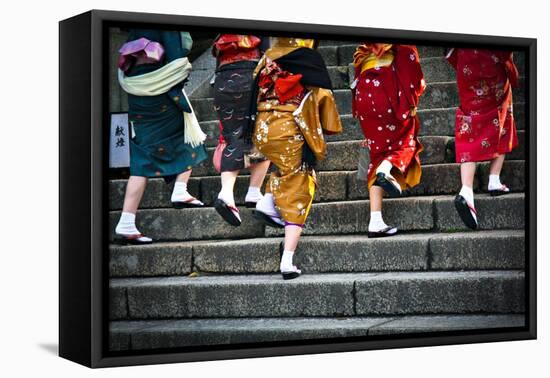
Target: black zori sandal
<point x="190" y="202"/>
<point x="229" y="213"/>
<point x="267" y="219"/>
<point x="388" y="183"/>
<point x="465" y="211"/>
<point x="290" y="274"/>
<point x="386" y="231"/>
<point x="499" y="192"/>
<point x="250" y="205"/>
<point x="138" y="239"/>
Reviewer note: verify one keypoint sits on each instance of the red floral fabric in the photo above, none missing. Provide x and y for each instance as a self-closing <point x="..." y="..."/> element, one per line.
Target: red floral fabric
<point x="485" y="126"/>
<point x="384" y="101"/>
<point x="230" y="48"/>
<point x="283" y="86"/>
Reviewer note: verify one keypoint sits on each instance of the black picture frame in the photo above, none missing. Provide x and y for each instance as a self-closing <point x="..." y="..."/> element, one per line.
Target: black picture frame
<point x="83" y="183"/>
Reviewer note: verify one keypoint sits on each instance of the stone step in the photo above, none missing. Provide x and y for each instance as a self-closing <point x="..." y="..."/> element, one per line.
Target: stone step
<point x="434" y="122"/>
<point x="333" y="218"/>
<point x="333" y="185"/>
<point x="343" y="155"/>
<point x="413" y="214"/>
<point x="155" y="334"/>
<point x="325" y="254"/>
<point x="345" y="294"/>
<point x="437" y="95"/>
<point x="445" y="179"/>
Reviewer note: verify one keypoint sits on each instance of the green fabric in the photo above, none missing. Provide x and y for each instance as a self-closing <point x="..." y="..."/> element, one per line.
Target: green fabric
<point x="158" y="148"/>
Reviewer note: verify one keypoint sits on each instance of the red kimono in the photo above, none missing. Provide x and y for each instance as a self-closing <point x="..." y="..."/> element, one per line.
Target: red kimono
<point x="485" y="126"/>
<point x="388" y="85"/>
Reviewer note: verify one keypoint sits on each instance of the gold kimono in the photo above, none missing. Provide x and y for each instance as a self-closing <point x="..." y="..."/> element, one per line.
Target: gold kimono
<point x="280" y="132"/>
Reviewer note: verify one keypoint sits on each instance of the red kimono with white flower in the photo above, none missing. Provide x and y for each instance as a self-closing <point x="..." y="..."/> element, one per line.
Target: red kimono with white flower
<point x="389" y="82"/>
<point x="485" y="126"/>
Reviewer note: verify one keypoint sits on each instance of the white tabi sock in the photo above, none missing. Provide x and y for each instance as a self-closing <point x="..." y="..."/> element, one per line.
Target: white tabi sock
<point x="376" y="222"/>
<point x="226" y="195"/>
<point x="468" y="194"/>
<point x="127" y="227"/>
<point x="127" y="224"/>
<point x="267" y="206"/>
<point x="385" y="167"/>
<point x="253" y="195"/>
<point x="286" y="262"/>
<point x="494" y="182"/>
<point x="180" y="193"/>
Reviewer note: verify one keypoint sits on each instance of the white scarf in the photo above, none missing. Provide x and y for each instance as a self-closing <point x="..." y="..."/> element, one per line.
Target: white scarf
<point x="161" y="81"/>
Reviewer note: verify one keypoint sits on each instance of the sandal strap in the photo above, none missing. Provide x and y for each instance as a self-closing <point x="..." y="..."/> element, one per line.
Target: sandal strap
<point x="190" y="199"/>
<point x="233" y="208"/>
<point x="132" y="237"/>
<point x="386" y="229"/>
<point x="293" y="270"/>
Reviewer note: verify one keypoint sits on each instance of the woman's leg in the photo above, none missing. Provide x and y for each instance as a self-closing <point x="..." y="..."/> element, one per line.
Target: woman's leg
<point x="257" y="177"/>
<point x="496" y="165"/>
<point x="376" y="194"/>
<point x="495" y="187"/>
<point x="184" y="176"/>
<point x="228" y="185"/>
<point x="376" y="223"/>
<point x="292" y="237"/>
<point x="134" y="192"/>
<point x="225" y="203"/>
<point x="180" y="196"/>
<point x="467" y="175"/>
<point x="258" y="172"/>
<point x="127" y="223"/>
<point x="464" y="202"/>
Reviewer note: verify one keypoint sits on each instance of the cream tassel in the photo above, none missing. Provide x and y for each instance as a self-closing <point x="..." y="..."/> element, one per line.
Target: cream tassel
<point x="193" y="132"/>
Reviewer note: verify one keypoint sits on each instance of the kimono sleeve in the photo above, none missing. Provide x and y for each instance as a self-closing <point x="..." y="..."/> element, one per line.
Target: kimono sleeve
<point x="511" y="69"/>
<point x="177" y="45"/>
<point x="307" y="118"/>
<point x="328" y="112"/>
<point x="452" y="57"/>
<point x="410" y="77"/>
<point x="316" y="116"/>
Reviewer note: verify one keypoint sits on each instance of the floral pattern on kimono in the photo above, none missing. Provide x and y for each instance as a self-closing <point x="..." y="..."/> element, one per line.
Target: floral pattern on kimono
<point x="389" y="82"/>
<point x="485" y="126"/>
<point x="282" y="127"/>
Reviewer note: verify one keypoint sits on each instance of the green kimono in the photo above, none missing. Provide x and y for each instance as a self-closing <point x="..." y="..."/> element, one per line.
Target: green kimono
<point x="157" y="146"/>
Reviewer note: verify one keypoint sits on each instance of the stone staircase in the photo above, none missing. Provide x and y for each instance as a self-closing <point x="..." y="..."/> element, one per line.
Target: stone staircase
<point x="204" y="282"/>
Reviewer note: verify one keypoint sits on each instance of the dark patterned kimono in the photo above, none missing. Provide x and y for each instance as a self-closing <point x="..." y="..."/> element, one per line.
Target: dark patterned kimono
<point x="157" y="148"/>
<point x="237" y="56"/>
